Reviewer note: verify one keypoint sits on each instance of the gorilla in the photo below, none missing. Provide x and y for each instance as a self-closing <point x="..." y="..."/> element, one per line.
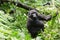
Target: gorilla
<point x="35" y="22"/>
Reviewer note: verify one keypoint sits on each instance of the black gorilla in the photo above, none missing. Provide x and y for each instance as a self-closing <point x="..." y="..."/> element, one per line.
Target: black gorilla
<point x="35" y="22"/>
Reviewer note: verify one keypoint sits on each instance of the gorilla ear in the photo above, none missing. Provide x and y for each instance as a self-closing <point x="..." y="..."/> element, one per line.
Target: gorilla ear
<point x="29" y="13"/>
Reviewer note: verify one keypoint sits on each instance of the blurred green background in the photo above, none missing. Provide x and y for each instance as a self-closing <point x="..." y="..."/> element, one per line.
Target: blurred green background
<point x="13" y="26"/>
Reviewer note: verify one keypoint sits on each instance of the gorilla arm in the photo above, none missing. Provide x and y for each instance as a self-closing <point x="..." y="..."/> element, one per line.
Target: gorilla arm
<point x="46" y="17"/>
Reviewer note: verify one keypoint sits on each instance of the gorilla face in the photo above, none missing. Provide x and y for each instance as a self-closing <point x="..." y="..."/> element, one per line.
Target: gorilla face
<point x="32" y="14"/>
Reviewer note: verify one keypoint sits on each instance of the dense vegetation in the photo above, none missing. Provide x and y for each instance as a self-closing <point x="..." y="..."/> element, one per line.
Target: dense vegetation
<point x="13" y="26"/>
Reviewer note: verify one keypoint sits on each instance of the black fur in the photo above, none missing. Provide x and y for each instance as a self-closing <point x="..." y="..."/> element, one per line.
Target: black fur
<point x="34" y="25"/>
<point x="35" y="22"/>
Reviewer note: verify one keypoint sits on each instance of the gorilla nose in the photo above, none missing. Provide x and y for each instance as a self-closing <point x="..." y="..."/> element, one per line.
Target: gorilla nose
<point x="34" y="15"/>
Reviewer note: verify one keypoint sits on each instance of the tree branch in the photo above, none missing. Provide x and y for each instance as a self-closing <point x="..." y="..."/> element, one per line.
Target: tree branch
<point x="19" y="4"/>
